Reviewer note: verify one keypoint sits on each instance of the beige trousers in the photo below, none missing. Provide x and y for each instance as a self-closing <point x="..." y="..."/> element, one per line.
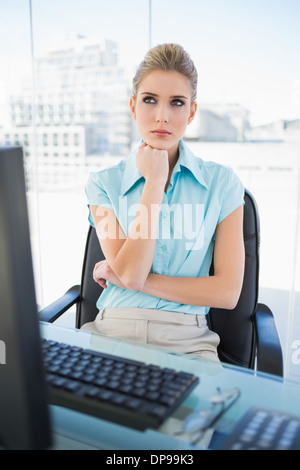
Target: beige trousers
<point x="175" y="331"/>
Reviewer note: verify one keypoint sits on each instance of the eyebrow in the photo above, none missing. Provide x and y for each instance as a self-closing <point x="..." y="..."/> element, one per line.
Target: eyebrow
<point x="154" y="94"/>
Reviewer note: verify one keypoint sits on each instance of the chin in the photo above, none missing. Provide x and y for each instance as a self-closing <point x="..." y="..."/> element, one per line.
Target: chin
<point x="155" y="143"/>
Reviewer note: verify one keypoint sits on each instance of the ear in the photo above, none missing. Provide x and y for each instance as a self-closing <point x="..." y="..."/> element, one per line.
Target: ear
<point x="132" y="107"/>
<point x="193" y="112"/>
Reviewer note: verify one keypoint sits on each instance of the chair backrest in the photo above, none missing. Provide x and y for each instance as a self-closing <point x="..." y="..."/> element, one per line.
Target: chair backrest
<point x="90" y="290"/>
<point x="235" y="327"/>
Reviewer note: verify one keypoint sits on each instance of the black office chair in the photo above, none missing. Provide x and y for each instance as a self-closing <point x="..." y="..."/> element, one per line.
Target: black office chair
<point x="248" y="333"/>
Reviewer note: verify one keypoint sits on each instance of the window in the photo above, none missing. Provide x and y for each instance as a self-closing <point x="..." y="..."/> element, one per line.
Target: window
<point x="248" y="118"/>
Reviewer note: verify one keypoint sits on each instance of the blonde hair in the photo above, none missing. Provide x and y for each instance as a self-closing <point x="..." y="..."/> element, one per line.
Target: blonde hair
<point x="168" y="57"/>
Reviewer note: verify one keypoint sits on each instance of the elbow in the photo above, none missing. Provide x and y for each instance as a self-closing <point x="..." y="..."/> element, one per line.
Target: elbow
<point x="231" y="304"/>
<point x="230" y="291"/>
<point x="231" y="300"/>
<point x="130" y="278"/>
<point x="133" y="282"/>
<point x="134" y="285"/>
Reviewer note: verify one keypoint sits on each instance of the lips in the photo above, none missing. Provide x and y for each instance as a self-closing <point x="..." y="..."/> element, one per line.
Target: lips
<point x="161" y="132"/>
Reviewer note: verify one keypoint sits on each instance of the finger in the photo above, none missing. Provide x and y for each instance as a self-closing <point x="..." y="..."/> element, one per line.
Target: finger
<point x="99" y="269"/>
<point x="102" y="283"/>
<point x="98" y="264"/>
<point x="97" y="275"/>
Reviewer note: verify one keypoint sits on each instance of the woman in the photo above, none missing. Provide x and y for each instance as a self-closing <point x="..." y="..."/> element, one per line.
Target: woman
<point x="160" y="216"/>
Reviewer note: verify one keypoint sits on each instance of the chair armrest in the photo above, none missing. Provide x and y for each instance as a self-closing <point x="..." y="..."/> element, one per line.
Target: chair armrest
<point x="269" y="352"/>
<point x="53" y="311"/>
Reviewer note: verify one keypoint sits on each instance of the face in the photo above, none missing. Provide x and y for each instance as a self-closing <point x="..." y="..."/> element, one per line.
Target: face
<point x="163" y="108"/>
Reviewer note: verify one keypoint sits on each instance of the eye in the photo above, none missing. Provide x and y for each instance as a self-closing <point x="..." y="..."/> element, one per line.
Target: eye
<point x="177" y="102"/>
<point x="149" y="99"/>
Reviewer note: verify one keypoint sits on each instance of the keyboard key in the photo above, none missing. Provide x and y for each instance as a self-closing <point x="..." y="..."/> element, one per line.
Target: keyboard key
<point x="265" y="429"/>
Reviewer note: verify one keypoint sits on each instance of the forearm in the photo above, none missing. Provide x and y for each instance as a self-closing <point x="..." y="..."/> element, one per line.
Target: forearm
<point x="134" y="259"/>
<point x="210" y="291"/>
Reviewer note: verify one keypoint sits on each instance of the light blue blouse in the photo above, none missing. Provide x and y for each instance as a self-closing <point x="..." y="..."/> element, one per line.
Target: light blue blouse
<point x="200" y="195"/>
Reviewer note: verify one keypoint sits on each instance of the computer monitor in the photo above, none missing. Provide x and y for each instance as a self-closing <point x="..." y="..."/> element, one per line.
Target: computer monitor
<point x="24" y="414"/>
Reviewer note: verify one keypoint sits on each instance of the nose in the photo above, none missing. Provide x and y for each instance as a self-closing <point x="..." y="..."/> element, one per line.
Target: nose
<point x="162" y="114"/>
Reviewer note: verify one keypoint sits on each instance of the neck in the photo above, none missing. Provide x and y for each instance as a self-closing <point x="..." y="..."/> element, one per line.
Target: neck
<point x="173" y="157"/>
<point x="173" y="154"/>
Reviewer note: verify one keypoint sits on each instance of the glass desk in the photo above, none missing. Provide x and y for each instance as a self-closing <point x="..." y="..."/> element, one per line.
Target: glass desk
<point x="73" y="430"/>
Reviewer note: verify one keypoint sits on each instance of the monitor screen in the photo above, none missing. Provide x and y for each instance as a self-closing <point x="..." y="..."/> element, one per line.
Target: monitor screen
<point x="24" y="417"/>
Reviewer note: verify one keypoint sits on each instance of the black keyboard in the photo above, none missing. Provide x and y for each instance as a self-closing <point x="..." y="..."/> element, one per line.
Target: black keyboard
<point x="124" y="391"/>
<point x="265" y="429"/>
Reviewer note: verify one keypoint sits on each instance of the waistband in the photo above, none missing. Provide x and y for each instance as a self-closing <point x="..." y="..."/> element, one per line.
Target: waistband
<point x="164" y="316"/>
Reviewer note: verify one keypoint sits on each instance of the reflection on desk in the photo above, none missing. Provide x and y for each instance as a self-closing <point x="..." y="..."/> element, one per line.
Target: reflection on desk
<point x="76" y="430"/>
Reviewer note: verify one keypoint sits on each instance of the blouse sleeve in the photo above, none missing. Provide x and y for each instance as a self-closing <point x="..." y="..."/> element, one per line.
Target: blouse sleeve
<point x="96" y="194"/>
<point x="233" y="196"/>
